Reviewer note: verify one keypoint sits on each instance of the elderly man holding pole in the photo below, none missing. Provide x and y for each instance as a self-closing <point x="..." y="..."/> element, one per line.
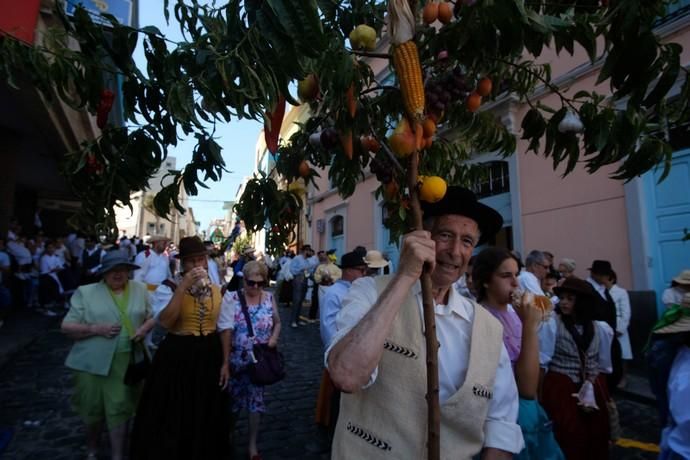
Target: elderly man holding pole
<point x="378" y="354"/>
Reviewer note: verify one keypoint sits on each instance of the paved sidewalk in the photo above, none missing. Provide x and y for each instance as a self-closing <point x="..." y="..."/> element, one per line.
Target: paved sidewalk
<point x="21" y="327"/>
<point x="36" y="388"/>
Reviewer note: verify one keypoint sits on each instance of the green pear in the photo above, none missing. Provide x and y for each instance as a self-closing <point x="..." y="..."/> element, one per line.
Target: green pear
<point x="363" y="36"/>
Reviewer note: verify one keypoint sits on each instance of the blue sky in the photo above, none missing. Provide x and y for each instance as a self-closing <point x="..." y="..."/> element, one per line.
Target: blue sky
<point x="238" y="138"/>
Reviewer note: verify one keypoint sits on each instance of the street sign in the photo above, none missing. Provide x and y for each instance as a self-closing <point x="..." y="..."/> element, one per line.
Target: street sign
<point x="121" y="9"/>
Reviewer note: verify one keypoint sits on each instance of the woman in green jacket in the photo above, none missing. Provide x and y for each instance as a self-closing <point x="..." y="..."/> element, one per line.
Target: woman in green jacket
<point x="106" y="320"/>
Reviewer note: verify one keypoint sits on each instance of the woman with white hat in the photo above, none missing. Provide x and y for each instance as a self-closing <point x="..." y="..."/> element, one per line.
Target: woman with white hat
<point x="107" y="320"/>
<point x="679" y="286"/>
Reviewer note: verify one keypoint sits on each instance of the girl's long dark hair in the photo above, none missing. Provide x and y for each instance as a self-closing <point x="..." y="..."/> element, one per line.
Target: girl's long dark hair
<point x="485" y="264"/>
<point x="583" y="315"/>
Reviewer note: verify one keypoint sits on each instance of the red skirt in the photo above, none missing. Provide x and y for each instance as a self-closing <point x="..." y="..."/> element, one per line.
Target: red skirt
<point x="581" y="435"/>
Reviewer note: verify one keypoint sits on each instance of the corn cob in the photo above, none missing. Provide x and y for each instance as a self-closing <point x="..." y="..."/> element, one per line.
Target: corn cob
<point x="406" y="63"/>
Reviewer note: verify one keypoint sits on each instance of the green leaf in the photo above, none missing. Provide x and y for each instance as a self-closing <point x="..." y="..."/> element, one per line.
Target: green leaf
<point x="664" y="84"/>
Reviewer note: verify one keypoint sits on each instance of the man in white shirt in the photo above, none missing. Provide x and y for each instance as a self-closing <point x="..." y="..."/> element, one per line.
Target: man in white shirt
<point x="154" y="263"/>
<point x="213" y="269"/>
<point x="378" y="353"/>
<point x="536" y="268"/>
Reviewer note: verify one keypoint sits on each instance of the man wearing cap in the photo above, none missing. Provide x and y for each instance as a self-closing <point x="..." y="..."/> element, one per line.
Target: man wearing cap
<point x="601" y="272"/>
<point x="353" y="267"/>
<point x="213" y="269"/>
<point x="154" y="263"/>
<point x="378" y="353"/>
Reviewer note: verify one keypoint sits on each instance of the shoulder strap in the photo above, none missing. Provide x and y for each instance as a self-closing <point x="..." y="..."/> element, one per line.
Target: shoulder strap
<point x="245" y="311"/>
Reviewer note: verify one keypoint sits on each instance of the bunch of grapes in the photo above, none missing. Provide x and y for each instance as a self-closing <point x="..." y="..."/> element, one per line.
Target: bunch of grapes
<point x="444" y="90"/>
<point x="382" y="169"/>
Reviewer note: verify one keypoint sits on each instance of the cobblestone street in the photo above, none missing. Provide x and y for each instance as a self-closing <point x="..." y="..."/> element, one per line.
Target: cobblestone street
<point x="36" y="388"/>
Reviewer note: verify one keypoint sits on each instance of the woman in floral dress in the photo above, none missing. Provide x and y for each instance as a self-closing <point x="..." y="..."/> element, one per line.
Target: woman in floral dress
<point x="263" y="313"/>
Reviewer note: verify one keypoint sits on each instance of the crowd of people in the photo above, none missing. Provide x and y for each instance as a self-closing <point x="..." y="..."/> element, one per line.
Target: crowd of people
<point x="164" y="345"/>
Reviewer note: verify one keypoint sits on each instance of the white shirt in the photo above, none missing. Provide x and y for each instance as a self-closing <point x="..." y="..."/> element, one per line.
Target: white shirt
<point x="622" y="300"/>
<point x="160" y="298"/>
<point x="454" y="331"/>
<point x="19" y="252"/>
<point x="530" y="283"/>
<point x="48" y="264"/>
<point x="154" y="269"/>
<point x="214" y="273"/>
<point x="672" y="296"/>
<point x="63" y="253"/>
<point x="461" y="286"/>
<point x="76" y="248"/>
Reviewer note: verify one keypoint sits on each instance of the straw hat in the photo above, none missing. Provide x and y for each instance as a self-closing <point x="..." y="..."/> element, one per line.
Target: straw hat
<point x="683" y="278"/>
<point x="374" y="259"/>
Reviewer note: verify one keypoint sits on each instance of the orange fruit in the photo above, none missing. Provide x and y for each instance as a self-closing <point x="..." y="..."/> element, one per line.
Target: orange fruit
<point x="445" y="13"/>
<point x="429" y="126"/>
<point x="430" y="12"/>
<point x="473" y="102"/>
<point x="402" y="144"/>
<point x="432" y="189"/>
<point x="304" y="168"/>
<point x="484" y="87"/>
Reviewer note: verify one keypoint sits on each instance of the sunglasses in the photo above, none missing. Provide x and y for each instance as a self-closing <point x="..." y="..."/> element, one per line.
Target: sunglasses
<point x="252" y="283"/>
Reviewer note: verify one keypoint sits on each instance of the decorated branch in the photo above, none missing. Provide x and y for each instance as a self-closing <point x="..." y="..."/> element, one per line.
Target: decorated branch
<point x="238" y="60"/>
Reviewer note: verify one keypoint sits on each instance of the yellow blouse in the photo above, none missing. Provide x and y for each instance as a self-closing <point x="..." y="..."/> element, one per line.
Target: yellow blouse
<point x="198" y="318"/>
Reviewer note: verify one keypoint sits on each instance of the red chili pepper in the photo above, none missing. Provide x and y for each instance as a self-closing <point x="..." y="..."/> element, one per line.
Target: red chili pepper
<point x="104" y="106"/>
<point x="272" y="131"/>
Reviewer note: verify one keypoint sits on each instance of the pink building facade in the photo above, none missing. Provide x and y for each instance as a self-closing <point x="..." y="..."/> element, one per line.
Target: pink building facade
<point x="638" y="226"/>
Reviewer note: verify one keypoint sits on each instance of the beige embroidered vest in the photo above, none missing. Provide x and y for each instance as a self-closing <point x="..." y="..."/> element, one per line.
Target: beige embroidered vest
<point x="388" y="420"/>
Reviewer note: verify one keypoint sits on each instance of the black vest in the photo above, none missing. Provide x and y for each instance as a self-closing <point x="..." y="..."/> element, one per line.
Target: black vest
<point x="91" y="261"/>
